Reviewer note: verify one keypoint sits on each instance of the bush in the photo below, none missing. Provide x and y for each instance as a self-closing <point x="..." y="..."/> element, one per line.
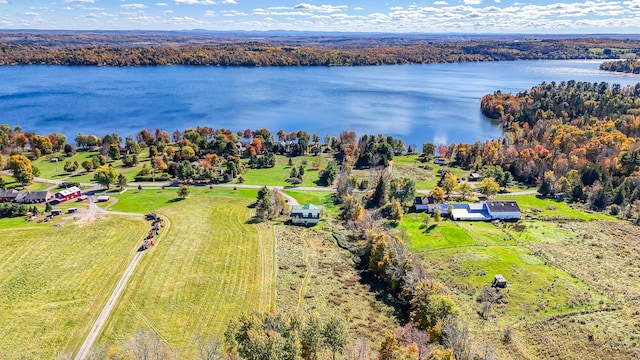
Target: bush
<point x="68" y="184"/>
<point x="147" y="178"/>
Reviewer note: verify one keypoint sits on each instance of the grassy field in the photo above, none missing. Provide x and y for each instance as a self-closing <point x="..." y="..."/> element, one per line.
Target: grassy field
<point x="314" y="275"/>
<point x="279" y="173"/>
<point x="533" y="206"/>
<point x="466" y="256"/>
<point x="211" y="266"/>
<point x="53" y="281"/>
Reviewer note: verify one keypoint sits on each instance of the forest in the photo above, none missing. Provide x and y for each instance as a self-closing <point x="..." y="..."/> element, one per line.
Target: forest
<point x="154" y="50"/>
<point x="576" y="138"/>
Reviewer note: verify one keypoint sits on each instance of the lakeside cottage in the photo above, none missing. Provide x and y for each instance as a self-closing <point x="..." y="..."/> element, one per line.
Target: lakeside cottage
<point x="307" y="214"/>
<point x="482" y="211"/>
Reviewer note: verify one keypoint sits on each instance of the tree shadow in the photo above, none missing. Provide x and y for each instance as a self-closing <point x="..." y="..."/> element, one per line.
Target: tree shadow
<point x="175" y="200"/>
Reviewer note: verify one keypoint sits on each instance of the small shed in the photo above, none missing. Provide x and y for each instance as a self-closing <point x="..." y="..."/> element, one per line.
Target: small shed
<point x="103" y="198"/>
<point x="55" y="212"/>
<point x="499" y="281"/>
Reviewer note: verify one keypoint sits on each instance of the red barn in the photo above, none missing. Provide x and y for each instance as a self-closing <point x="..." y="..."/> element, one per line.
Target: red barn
<point x="68" y="194"/>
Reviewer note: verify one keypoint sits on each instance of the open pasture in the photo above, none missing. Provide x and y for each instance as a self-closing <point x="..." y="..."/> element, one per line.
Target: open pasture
<point x="54" y="280"/>
<point x="212" y="265"/>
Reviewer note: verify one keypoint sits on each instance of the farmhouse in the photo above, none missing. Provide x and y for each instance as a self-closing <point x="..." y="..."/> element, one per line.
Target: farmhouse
<point x="483" y="211"/>
<point x="306" y="214"/>
<point x="8" y="195"/>
<point x="34" y="197"/>
<point x="68" y="194"/>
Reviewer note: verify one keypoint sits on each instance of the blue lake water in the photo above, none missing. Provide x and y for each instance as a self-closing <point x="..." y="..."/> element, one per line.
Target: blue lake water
<point x="419" y="103"/>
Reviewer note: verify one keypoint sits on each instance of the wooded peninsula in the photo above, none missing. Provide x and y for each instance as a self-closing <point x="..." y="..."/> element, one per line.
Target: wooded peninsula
<point x="151" y="49"/>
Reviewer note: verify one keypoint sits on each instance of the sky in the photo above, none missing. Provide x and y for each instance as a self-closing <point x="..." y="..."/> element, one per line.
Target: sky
<point x="434" y="16"/>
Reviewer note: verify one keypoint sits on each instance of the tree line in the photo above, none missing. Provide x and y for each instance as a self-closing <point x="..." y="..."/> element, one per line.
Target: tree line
<point x="267" y="54"/>
<point x="626" y="66"/>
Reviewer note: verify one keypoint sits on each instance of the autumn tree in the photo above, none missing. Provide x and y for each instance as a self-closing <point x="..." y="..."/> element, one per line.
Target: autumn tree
<point x="105" y="176"/>
<point x="21" y="167"/>
<point x="183" y="191"/>
<point x="488" y="187"/>
<point x="449" y="183"/>
<point x="438" y="194"/>
<point x="465" y="190"/>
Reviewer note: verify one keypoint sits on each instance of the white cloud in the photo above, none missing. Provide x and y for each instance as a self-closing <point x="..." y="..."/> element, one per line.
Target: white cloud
<point x="79" y="1"/>
<point x="133" y="6"/>
<point x="320" y="8"/>
<point x="472" y="2"/>
<point x="359" y="8"/>
<point x="195" y="2"/>
<point x="229" y="2"/>
<point x="440" y="3"/>
<point x="185" y="20"/>
<point x="209" y="13"/>
<point x="161" y="4"/>
<point x="3" y="2"/>
<point x="31" y="13"/>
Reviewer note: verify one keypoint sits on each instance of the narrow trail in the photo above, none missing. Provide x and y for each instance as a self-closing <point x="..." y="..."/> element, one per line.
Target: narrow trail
<point x="307" y="276"/>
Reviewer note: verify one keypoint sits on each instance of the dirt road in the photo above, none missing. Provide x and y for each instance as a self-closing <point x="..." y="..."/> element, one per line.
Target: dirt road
<point x="85" y="349"/>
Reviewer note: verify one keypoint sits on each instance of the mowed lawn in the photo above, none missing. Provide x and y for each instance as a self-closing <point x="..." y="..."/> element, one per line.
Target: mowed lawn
<point x="211" y="265"/>
<point x="55" y="280"/>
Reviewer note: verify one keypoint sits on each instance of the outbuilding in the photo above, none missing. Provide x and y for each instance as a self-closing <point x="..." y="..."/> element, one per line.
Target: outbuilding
<point x="499" y="281"/>
<point x="103" y="198"/>
<point x="56" y="212"/>
<point x="68" y="194"/>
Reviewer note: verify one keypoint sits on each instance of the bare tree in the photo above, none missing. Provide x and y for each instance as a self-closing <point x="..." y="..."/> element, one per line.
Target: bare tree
<point x="456" y="337"/>
<point x="208" y="348"/>
<point x="146" y="346"/>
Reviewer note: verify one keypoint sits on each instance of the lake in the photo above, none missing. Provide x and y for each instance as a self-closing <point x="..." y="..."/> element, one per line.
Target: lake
<point x="419" y="103"/>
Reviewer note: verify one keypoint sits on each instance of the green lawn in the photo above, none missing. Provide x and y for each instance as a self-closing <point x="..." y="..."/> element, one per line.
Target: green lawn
<point x="55" y="280"/>
<point x="531" y="204"/>
<point x="55" y="170"/>
<point x="279" y="173"/>
<point x="143" y="201"/>
<point x="324" y="198"/>
<point x="211" y="265"/>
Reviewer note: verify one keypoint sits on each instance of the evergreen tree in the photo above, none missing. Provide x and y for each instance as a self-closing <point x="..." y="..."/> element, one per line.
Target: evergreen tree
<point x="381" y="193"/>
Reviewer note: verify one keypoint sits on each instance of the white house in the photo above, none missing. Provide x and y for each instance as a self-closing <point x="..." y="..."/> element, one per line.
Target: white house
<point x="306" y="214"/>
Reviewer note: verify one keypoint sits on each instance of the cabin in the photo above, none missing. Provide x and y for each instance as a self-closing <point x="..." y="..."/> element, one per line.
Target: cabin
<point x="499" y="281"/>
<point x="503" y="209"/>
<point x="307" y="214"/>
<point x="68" y="194"/>
<point x="34" y="197"/>
<point x="103" y="198"/>
<point x="475" y="176"/>
<point x="8" y="195"/>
